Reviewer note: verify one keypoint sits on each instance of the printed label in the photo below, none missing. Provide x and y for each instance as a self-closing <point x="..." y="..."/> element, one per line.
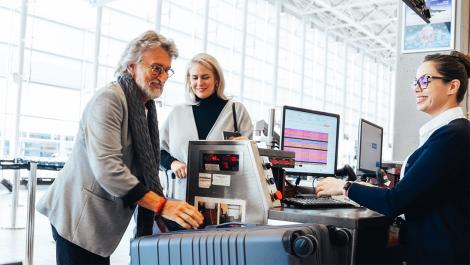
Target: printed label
<point x="212" y="167"/>
<point x="205" y="180"/>
<point x="221" y="180"/>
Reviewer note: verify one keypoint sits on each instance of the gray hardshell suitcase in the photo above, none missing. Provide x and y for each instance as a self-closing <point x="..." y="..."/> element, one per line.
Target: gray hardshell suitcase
<point x="292" y="244"/>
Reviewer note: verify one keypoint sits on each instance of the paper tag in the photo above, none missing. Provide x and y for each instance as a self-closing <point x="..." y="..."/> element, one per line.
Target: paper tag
<point x="205" y="180"/>
<point x="212" y="167"/>
<point x="221" y="180"/>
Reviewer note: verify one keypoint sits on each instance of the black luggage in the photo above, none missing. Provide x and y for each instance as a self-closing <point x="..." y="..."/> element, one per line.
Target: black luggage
<point x="293" y="244"/>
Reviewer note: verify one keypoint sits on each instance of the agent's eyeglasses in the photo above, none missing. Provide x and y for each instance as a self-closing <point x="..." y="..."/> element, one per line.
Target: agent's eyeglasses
<point x="424" y="81"/>
<point x="158" y="70"/>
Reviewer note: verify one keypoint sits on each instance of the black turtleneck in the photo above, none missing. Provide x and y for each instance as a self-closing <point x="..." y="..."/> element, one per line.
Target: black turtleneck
<point x="205" y="115"/>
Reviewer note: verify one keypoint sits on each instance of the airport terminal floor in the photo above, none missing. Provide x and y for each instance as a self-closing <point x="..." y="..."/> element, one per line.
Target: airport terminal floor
<point x="13" y="242"/>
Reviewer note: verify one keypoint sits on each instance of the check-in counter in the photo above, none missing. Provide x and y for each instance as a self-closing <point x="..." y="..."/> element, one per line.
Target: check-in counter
<point x="233" y="180"/>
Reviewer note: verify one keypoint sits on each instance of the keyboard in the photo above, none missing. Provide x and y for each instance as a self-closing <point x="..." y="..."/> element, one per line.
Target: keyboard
<point x="314" y="202"/>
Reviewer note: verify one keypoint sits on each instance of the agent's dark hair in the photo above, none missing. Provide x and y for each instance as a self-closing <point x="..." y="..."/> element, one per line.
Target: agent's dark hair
<point x="453" y="66"/>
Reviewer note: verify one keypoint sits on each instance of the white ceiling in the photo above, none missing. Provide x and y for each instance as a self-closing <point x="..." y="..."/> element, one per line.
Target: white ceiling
<point x="370" y="26"/>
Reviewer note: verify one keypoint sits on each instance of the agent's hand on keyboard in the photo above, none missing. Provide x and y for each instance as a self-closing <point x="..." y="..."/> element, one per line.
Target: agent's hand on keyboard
<point x="330" y="186"/>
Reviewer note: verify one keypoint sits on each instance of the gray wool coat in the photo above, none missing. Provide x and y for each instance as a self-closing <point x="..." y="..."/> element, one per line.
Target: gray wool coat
<point x="85" y="202"/>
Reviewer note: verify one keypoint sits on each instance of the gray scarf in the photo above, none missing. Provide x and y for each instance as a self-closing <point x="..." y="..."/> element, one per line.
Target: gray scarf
<point x="146" y="146"/>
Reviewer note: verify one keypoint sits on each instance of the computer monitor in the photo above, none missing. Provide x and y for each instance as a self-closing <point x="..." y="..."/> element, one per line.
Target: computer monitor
<point x="370" y="146"/>
<point x="313" y="137"/>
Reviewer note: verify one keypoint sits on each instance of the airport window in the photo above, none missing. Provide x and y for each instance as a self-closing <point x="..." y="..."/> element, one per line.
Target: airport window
<point x="316" y="69"/>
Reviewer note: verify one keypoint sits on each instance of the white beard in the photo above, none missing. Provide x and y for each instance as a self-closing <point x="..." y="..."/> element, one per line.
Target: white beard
<point x="153" y="93"/>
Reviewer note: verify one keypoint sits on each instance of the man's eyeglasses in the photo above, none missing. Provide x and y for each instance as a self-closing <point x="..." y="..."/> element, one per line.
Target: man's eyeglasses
<point x="158" y="69"/>
<point x="424" y="81"/>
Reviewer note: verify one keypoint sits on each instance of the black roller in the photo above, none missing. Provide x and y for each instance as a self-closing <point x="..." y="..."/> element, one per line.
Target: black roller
<point x="305" y="246"/>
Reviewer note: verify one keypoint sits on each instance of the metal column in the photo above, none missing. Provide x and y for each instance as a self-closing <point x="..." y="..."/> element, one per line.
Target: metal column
<point x="31" y="211"/>
<point x="19" y="80"/>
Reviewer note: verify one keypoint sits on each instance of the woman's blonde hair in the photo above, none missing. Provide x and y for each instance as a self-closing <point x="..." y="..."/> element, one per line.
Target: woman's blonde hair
<point x="212" y="64"/>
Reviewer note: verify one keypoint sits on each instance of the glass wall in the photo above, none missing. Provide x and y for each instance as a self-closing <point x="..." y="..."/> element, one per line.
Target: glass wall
<point x="71" y="48"/>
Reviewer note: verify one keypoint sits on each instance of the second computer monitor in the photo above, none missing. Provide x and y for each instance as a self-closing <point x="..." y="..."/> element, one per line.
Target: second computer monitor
<point x="313" y="136"/>
<point x="370" y="146"/>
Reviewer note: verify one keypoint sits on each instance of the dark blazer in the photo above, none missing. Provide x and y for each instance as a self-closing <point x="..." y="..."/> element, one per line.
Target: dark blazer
<point x="433" y="195"/>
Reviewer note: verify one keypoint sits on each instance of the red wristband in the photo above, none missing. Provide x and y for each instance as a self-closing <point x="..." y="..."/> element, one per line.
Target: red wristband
<point x="160" y="206"/>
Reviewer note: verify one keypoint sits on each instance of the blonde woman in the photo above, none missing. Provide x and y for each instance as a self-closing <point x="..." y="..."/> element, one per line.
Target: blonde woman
<point x="207" y="115"/>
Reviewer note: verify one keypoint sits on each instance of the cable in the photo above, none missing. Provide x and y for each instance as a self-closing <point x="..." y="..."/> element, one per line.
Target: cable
<point x="297" y="181"/>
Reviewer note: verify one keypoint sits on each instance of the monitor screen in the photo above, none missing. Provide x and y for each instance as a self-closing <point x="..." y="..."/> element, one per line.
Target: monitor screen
<point x="370" y="146"/>
<point x="313" y="136"/>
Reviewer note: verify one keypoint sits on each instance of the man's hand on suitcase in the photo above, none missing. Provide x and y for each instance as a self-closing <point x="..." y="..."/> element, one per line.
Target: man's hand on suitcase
<point x="183" y="213"/>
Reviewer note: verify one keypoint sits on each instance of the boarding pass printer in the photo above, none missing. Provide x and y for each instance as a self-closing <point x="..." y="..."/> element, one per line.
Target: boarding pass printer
<point x="233" y="178"/>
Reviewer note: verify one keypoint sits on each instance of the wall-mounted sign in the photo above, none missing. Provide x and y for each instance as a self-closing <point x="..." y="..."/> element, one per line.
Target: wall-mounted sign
<point x="418" y="36"/>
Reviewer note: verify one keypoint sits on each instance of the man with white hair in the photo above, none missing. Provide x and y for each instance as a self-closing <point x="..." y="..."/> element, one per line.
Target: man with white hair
<point x="114" y="163"/>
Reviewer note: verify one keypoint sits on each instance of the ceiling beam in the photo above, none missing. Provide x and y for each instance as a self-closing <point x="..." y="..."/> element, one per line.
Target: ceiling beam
<point x="387" y="60"/>
<point x="97" y="3"/>
<point x="357" y="36"/>
<point x="367" y="22"/>
<point x="388" y="35"/>
<point x="379" y="3"/>
<point x="339" y="14"/>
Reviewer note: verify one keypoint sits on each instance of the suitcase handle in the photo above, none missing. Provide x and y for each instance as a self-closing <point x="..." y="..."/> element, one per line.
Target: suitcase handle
<point x="231" y="225"/>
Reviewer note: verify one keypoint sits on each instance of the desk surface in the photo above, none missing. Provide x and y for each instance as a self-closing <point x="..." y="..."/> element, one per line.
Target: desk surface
<point x="353" y="218"/>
